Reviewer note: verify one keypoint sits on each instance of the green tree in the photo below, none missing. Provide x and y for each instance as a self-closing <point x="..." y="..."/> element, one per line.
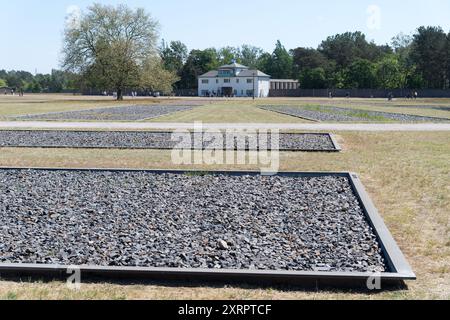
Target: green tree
<point x="280" y="64"/>
<point x="250" y="55"/>
<point x="264" y="62"/>
<point x="346" y="48"/>
<point x="3" y="83"/>
<point x="389" y="73"/>
<point x="430" y="53"/>
<point x="312" y="68"/>
<point x="226" y="55"/>
<point x="313" y="78"/>
<point x="109" y="46"/>
<point x="361" y="74"/>
<point x="198" y="63"/>
<point x="174" y="56"/>
<point x="156" y="78"/>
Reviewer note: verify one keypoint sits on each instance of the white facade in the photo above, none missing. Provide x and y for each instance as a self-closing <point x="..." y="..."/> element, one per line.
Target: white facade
<point x="234" y="80"/>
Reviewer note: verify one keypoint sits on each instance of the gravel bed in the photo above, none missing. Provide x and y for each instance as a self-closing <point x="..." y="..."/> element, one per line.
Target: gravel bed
<point x="329" y="113"/>
<point x="106" y="218"/>
<point x="310" y="114"/>
<point x="116" y="113"/>
<point x="412" y="106"/>
<point x="151" y="140"/>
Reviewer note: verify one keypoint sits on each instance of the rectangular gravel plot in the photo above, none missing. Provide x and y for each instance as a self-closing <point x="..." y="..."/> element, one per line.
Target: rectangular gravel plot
<point x="132" y="113"/>
<point x="219" y="225"/>
<point x="148" y="140"/>
<point x="328" y="113"/>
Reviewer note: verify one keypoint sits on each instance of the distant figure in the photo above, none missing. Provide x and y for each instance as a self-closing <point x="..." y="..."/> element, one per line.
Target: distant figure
<point x="21" y="92"/>
<point x="12" y="92"/>
<point x="390" y="96"/>
<point x="416" y="95"/>
<point x="330" y="95"/>
<point x="347" y="95"/>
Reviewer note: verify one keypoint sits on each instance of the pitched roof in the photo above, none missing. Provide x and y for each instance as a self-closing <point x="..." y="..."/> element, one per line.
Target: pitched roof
<point x="210" y="74"/>
<point x="233" y="65"/>
<point x="252" y="73"/>
<point x="242" y="74"/>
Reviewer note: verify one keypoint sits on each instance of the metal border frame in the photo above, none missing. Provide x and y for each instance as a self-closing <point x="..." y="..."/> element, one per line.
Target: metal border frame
<point x="399" y="269"/>
<point x="288" y="114"/>
<point x="337" y="147"/>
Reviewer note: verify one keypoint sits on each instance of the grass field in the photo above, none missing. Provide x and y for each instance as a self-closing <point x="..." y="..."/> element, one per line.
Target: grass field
<point x="216" y="110"/>
<point x="406" y="174"/>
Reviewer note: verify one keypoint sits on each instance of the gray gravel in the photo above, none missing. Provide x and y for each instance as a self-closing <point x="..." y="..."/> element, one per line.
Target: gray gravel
<point x="310" y="114"/>
<point x="115" y="113"/>
<point x="329" y="113"/>
<point x="413" y="106"/>
<point x="146" y="219"/>
<point x="149" y="140"/>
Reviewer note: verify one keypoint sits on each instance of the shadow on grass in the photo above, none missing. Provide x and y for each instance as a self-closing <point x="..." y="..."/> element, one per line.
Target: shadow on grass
<point x="312" y="286"/>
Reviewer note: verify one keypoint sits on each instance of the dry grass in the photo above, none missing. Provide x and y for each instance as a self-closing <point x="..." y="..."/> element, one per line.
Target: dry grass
<point x="36" y="104"/>
<point x="229" y="112"/>
<point x="237" y="110"/>
<point x="406" y="174"/>
<point x="416" y="107"/>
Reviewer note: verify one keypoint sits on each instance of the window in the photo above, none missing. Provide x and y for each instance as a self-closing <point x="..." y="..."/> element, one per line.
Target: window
<point x="237" y="80"/>
<point x="217" y="80"/>
<point x="249" y="80"/>
<point x="225" y="73"/>
<point x="226" y="80"/>
<point x="205" y="81"/>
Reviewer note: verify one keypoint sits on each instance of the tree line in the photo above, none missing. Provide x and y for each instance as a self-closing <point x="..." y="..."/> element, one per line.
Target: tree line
<point x="347" y="60"/>
<point x="56" y="82"/>
<point x="114" y="48"/>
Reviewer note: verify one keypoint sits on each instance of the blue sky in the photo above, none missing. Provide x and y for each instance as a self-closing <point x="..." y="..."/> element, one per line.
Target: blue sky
<point x="31" y="34"/>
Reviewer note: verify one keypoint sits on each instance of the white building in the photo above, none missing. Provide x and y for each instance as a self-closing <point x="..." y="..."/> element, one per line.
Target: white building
<point x="234" y="80"/>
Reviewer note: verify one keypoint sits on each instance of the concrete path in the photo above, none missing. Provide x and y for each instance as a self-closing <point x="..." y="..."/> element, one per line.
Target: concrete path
<point x="219" y="126"/>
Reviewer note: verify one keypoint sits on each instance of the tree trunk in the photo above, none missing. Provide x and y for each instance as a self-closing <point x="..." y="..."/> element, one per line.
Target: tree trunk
<point x="119" y="95"/>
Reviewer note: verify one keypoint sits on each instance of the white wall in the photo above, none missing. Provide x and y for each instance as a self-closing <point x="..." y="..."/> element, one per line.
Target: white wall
<point x="262" y="85"/>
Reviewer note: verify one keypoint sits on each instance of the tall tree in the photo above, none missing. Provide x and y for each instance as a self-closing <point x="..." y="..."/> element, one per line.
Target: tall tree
<point x="389" y="74"/>
<point x="280" y="63"/>
<point x="346" y="48"/>
<point x="249" y="55"/>
<point x="174" y="56"/>
<point x="313" y="78"/>
<point x="110" y="45"/>
<point x="227" y="55"/>
<point x="431" y="55"/>
<point x="361" y="75"/>
<point x="198" y="63"/>
<point x="156" y="78"/>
